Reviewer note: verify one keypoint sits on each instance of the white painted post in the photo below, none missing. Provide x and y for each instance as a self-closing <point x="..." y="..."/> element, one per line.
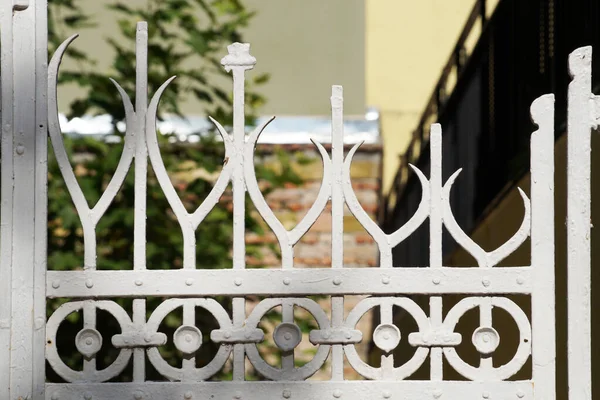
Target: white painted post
<point x="23" y="199"/>
<point x="542" y="249"/>
<point x="582" y="117"/>
<point x="238" y="61"/>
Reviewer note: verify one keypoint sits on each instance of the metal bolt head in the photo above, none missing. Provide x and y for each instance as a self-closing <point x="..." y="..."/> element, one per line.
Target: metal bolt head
<point x="287" y="394"/>
<point x="437" y="394"/>
<point x="520" y="280"/>
<point x="138" y="395"/>
<point x="89" y="283"/>
<point x="87" y="396"/>
<point x="387" y="394"/>
<point x="385" y="280"/>
<point x="337" y="281"/>
<point x="337" y="393"/>
<point x="138" y="282"/>
<point x="287" y="281"/>
<point x="237" y="395"/>
<point x="485" y="395"/>
<point x="20" y="149"/>
<point x="188" y="395"/>
<point x="238" y="281"/>
<point x="56" y="284"/>
<point x="54" y="396"/>
<point x="436" y="280"/>
<point x="520" y="394"/>
<point x="189" y="281"/>
<point x="486" y="282"/>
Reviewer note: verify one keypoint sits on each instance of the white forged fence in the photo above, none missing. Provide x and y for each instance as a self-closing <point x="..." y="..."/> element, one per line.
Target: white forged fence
<point x="30" y="111"/>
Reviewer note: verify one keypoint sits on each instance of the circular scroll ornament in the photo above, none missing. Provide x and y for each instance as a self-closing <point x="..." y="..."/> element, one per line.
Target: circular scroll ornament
<point x="88" y="342"/>
<point x="486" y="340"/>
<point x="292" y="374"/>
<point x="188" y="339"/>
<point x="387" y="336"/>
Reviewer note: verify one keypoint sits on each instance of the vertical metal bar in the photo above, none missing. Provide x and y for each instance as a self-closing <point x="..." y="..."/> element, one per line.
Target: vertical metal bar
<point x="23" y="198"/>
<point x="435" y="239"/>
<point x="337" y="220"/>
<point x="6" y="205"/>
<point x="542" y="249"/>
<point x="141" y="175"/>
<point x="238" y="61"/>
<point x="578" y="224"/>
<point x="41" y="199"/>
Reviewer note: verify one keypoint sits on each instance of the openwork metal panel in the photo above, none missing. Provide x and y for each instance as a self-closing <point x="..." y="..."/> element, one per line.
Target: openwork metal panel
<point x="484" y="286"/>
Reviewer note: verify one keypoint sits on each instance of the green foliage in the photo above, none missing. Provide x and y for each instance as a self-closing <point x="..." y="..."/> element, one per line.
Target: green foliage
<point x="187" y="39"/>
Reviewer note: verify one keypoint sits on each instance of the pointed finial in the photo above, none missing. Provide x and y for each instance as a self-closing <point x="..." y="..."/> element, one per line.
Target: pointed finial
<point x="239" y="56"/>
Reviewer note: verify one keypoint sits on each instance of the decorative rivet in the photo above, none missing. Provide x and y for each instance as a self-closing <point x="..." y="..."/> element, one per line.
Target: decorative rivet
<point x="237" y="395"/>
<point x="147" y="338"/>
<point x="87" y="396"/>
<point x="138" y="395"/>
<point x="238" y="281"/>
<point x="54" y="396"/>
<point x="520" y="394"/>
<point x="520" y="280"/>
<point x="348" y="335"/>
<point x="89" y="283"/>
<point x="387" y="394"/>
<point x="337" y="281"/>
<point x="437" y="394"/>
<point x="337" y="393"/>
<point x="188" y="395"/>
<point x="287" y="394"/>
<point x="436" y="280"/>
<point x="20" y="149"/>
<point x="385" y="280"/>
<point x="485" y="395"/>
<point x="227" y="335"/>
<point x="138" y="282"/>
<point x="189" y="281"/>
<point x="287" y="281"/>
<point x="485" y="282"/>
<point x="247" y="334"/>
<point x="56" y="283"/>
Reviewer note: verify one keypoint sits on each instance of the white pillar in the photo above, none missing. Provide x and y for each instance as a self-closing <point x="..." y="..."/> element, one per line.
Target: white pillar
<point x="23" y="198"/>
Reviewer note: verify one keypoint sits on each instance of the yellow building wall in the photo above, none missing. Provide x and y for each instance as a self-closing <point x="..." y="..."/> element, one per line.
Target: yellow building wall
<point x="407" y="44"/>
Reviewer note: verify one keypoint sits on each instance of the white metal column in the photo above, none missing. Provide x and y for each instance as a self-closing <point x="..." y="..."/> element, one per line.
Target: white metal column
<point x="23" y="25"/>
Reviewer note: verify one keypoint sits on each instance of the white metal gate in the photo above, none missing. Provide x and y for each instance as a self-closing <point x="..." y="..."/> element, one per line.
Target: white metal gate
<point x="29" y="111"/>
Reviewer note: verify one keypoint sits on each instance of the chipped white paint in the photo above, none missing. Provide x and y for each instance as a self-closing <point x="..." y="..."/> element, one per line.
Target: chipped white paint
<point x="582" y="117"/>
<point x="22" y="333"/>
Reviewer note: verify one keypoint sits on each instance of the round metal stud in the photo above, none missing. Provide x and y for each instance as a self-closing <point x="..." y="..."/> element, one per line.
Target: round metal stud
<point x="486" y="282"/>
<point x="287" y="281"/>
<point x="337" y="281"/>
<point x="287" y="394"/>
<point x="486" y="339"/>
<point x="436" y="280"/>
<point x="138" y="395"/>
<point x="520" y="394"/>
<point x="385" y="280"/>
<point x="87" y="396"/>
<point x="54" y="396"/>
<point x="89" y="283"/>
<point x="437" y="394"/>
<point x="238" y="281"/>
<point x="520" y="280"/>
<point x="88" y="342"/>
<point x="138" y="282"/>
<point x="237" y="395"/>
<point x="188" y="395"/>
<point x="20" y="149"/>
<point x="387" y="337"/>
<point x="485" y="395"/>
<point x="287" y="336"/>
<point x="187" y="339"/>
<point x="56" y="284"/>
<point x="189" y="281"/>
<point x="387" y="394"/>
<point x="337" y="393"/>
